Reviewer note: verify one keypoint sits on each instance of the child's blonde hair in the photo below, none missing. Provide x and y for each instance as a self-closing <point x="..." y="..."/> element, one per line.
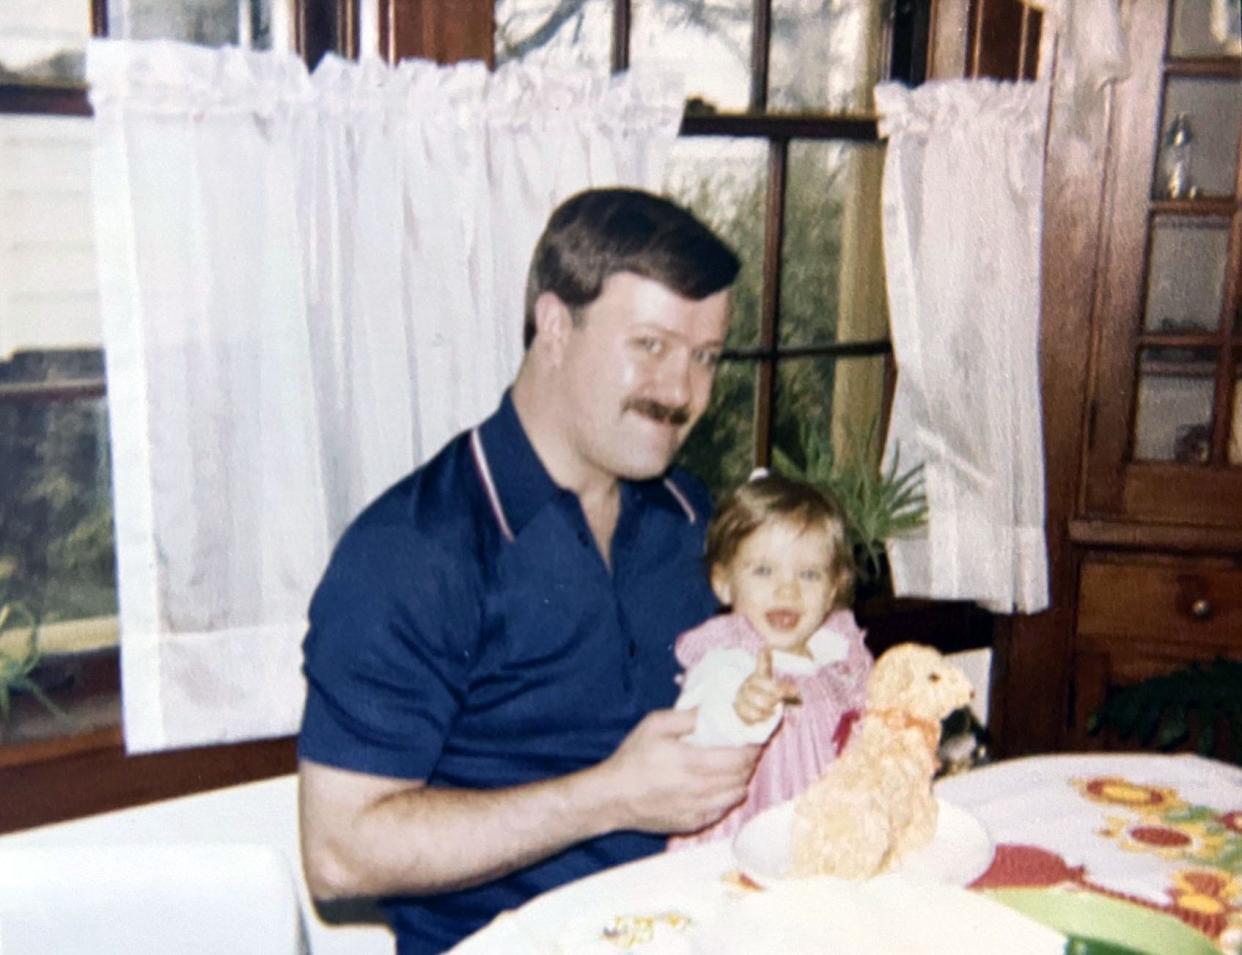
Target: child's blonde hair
<point x="774" y="496"/>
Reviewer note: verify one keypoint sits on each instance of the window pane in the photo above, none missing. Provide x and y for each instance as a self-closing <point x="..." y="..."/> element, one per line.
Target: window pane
<point x="827" y="409"/>
<point x="208" y="22"/>
<point x="56" y="544"/>
<point x="832" y="264"/>
<point x="708" y="42"/>
<point x="1206" y="29"/>
<point x="825" y="55"/>
<point x="725" y="182"/>
<point x="1186" y="279"/>
<point x="1199" y="139"/>
<point x="1173" y="421"/>
<point x="42" y="43"/>
<point x="720" y="450"/>
<point x="56" y="548"/>
<point x="578" y="29"/>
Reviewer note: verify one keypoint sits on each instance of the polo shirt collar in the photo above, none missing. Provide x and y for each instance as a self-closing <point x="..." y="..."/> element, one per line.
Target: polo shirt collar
<point x="668" y="493"/>
<point x="522" y="484"/>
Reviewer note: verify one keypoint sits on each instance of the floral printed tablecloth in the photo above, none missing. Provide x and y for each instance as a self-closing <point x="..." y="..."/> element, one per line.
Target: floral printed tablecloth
<point x="1150" y="842"/>
<point x="1160" y="832"/>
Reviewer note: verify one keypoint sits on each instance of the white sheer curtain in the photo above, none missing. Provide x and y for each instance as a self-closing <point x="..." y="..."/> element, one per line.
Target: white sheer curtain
<point x="308" y="283"/>
<point x="962" y="195"/>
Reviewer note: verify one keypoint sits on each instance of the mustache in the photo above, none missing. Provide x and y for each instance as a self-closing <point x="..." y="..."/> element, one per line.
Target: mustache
<point x="665" y="414"/>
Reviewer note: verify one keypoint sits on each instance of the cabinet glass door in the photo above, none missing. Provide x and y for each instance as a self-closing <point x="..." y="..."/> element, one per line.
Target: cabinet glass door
<point x="1165" y="436"/>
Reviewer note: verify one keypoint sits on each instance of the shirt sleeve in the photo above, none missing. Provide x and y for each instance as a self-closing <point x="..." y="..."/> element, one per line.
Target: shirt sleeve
<point x="712" y="685"/>
<point x="386" y="656"/>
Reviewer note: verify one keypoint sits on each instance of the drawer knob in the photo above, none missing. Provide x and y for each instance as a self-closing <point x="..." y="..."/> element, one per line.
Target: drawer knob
<point x="1201" y="609"/>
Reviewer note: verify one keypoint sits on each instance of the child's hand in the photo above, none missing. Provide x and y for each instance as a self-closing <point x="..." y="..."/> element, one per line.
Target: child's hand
<point x="759" y="696"/>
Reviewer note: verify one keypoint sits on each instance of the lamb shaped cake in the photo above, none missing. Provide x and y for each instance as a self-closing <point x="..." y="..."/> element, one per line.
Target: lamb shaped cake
<point x="874" y="805"/>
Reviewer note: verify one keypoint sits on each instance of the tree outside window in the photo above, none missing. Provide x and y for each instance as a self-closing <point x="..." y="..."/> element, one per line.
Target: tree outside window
<point x="778" y="153"/>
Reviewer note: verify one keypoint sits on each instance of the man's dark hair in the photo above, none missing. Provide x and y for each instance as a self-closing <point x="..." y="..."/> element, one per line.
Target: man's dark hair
<point x="600" y="232"/>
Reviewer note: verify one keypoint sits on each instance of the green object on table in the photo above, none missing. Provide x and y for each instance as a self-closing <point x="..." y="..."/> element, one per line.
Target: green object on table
<point x="1093" y="946"/>
<point x="1100" y="925"/>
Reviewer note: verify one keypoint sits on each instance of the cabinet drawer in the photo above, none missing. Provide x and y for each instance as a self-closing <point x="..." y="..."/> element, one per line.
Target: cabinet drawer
<point x="1178" y="602"/>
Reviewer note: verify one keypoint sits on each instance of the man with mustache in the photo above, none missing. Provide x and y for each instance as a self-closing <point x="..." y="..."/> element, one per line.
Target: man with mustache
<point x="489" y="660"/>
<point x="658" y="412"/>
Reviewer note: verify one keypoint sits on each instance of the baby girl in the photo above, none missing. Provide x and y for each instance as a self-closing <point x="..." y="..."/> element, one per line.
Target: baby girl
<point x="787" y="665"/>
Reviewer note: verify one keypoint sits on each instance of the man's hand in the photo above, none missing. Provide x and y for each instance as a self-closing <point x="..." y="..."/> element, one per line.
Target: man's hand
<point x="661" y="783"/>
<point x="759" y="696"/>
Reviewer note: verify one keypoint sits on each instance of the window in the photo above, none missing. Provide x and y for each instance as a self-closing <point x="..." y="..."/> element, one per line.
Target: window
<point x="778" y="152"/>
<point x="57" y="565"/>
<point x="56" y="552"/>
<point x="42" y="55"/>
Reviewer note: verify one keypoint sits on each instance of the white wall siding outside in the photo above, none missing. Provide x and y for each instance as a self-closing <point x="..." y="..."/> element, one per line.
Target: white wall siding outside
<point x="48" y="288"/>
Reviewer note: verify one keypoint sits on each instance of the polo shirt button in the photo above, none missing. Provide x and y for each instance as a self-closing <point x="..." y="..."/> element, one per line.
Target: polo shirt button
<point x="583" y="539"/>
<point x="633" y="649"/>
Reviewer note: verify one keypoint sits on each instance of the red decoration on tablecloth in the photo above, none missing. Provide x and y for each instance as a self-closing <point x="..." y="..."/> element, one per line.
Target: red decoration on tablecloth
<point x="1210" y="925"/>
<point x="1030" y="867"/>
<point x="1017" y="866"/>
<point x="1204" y="881"/>
<point x="1113" y="790"/>
<point x="1160" y="836"/>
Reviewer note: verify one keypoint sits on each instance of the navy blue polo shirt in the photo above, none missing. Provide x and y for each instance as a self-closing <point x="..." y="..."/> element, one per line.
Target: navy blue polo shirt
<point x="468" y="632"/>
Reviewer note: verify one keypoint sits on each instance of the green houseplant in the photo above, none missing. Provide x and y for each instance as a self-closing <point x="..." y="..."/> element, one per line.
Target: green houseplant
<point x="20" y="657"/>
<point x="1189" y="705"/>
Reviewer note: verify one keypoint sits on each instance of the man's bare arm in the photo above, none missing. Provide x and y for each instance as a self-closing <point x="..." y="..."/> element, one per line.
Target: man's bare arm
<point x="366" y="835"/>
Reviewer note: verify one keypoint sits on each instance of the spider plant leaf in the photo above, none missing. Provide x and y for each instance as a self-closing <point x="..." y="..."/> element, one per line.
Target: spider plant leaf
<point x="785" y="464"/>
<point x="48" y="704"/>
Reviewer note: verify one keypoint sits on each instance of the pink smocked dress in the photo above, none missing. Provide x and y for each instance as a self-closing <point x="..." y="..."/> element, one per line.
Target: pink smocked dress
<point x="718" y="656"/>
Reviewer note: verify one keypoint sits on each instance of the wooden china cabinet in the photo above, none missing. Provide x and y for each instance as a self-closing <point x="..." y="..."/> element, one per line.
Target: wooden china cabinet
<point x="1142" y="363"/>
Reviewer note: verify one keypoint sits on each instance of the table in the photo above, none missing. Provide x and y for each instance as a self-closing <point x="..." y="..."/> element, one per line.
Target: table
<point x="1142" y="850"/>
